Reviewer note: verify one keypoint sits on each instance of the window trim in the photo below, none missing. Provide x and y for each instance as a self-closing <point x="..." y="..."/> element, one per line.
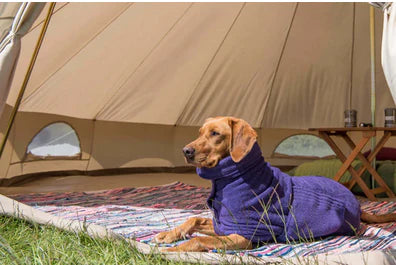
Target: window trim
<point x="27" y="157"/>
<point x="284" y="156"/>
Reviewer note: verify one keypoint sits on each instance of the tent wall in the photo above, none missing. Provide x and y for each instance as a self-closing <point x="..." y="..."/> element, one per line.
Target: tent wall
<point x="129" y="62"/>
<point x="118" y="145"/>
<point x="7" y="15"/>
<point x="26" y="126"/>
<point x="361" y="70"/>
<point x="334" y="65"/>
<point x="110" y="145"/>
<point x="135" y="80"/>
<point x="10" y="43"/>
<point x="8" y="149"/>
<point x="388" y="46"/>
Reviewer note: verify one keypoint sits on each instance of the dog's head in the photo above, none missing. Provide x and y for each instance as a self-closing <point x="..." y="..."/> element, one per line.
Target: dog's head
<point x="218" y="138"/>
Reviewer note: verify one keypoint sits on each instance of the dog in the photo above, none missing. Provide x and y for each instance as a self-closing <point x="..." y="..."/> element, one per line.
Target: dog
<point x="254" y="203"/>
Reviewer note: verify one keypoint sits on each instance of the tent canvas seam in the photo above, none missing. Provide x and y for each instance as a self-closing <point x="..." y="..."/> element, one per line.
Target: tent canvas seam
<point x="181" y="115"/>
<point x="92" y="145"/>
<point x="12" y="140"/>
<point x="42" y="21"/>
<point x="352" y="55"/>
<point x="277" y="66"/>
<point x="76" y="53"/>
<point x="142" y="62"/>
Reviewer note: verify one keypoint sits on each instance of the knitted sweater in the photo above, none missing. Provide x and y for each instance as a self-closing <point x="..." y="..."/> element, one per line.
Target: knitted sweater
<point x="263" y="204"/>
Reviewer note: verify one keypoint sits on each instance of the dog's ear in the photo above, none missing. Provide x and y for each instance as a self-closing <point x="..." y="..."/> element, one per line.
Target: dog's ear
<point x="243" y="137"/>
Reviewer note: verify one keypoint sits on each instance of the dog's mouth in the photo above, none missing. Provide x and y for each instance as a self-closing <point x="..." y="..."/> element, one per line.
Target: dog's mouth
<point x="202" y="160"/>
<point x="191" y="162"/>
<point x="195" y="162"/>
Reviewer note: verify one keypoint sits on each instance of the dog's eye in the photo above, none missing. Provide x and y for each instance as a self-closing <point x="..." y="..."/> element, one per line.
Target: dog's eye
<point x="214" y="133"/>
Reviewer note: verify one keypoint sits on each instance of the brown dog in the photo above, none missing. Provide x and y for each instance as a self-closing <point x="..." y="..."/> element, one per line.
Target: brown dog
<point x="218" y="138"/>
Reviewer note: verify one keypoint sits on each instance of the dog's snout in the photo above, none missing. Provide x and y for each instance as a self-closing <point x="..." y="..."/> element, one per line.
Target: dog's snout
<point x="189" y="152"/>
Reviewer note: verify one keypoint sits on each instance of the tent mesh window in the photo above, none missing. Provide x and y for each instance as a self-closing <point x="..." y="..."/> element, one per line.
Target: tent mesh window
<point x="56" y="141"/>
<point x="304" y="146"/>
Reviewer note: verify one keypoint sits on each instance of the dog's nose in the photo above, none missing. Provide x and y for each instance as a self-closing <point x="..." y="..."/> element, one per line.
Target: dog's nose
<point x="189" y="152"/>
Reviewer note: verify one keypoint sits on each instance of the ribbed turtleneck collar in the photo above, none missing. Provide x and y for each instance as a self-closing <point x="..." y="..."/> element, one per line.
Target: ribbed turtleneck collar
<point x="228" y="168"/>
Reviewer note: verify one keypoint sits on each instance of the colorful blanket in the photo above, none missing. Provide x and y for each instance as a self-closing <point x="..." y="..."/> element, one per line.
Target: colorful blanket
<point x="140" y="213"/>
<point x="167" y="196"/>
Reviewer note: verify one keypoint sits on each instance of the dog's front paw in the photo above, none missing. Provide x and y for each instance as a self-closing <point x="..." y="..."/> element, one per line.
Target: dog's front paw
<point x="193" y="245"/>
<point x="167" y="237"/>
<point x="171" y="249"/>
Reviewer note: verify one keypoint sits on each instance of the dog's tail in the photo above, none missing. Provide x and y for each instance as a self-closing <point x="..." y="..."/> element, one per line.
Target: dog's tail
<point x="383" y="218"/>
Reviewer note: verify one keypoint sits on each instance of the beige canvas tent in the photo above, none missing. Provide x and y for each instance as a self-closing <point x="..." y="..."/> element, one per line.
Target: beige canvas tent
<point x="135" y="80"/>
<point x="121" y="87"/>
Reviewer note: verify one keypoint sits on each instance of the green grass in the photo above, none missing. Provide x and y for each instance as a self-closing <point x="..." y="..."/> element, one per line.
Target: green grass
<point x="22" y="242"/>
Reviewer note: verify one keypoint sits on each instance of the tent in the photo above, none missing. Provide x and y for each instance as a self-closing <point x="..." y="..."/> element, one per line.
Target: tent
<point x="136" y="80"/>
<point x="122" y="87"/>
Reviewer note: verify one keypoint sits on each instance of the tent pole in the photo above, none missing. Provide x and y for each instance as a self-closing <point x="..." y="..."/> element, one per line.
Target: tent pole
<point x="27" y="76"/>
<point x="372" y="60"/>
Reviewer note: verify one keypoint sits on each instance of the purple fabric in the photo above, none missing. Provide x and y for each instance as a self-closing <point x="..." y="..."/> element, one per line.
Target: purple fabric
<point x="295" y="207"/>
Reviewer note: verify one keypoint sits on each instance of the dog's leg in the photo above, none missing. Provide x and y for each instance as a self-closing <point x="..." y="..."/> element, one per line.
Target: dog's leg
<point x="205" y="243"/>
<point x="372" y="218"/>
<point x="192" y="225"/>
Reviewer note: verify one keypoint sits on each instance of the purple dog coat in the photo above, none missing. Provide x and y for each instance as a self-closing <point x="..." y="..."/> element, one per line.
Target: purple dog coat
<point x="263" y="204"/>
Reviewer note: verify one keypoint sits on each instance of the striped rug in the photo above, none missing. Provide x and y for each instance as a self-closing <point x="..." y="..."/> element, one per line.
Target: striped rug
<point x="140" y="213"/>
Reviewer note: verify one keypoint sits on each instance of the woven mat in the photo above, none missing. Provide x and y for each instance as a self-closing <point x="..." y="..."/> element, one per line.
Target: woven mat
<point x="175" y="195"/>
<point x="140" y="213"/>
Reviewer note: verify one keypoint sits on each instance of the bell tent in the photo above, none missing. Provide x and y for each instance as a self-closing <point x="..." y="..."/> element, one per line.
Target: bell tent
<point x="122" y="87"/>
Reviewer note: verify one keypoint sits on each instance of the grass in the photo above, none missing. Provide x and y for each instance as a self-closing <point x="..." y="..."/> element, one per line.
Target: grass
<point x="22" y="242"/>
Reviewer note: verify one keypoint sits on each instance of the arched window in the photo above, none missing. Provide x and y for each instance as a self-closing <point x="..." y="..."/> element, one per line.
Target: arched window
<point x="305" y="146"/>
<point x="57" y="140"/>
